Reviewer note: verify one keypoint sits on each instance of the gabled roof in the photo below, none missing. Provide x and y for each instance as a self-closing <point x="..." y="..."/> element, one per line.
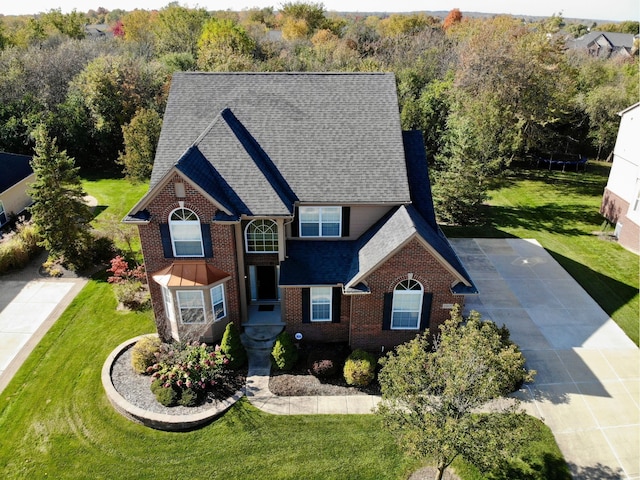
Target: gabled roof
<point x="613" y="39"/>
<point x="316" y="137"/>
<point x="350" y="262"/>
<point x="13" y="169"/>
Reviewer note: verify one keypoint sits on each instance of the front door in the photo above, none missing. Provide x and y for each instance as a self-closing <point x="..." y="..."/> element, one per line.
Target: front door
<point x="264" y="282"/>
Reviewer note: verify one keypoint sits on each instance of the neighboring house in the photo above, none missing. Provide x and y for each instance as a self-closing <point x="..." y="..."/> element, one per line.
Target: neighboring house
<point x="294" y="198"/>
<point x="621" y="200"/>
<point x="15" y="176"/>
<point x="605" y="44"/>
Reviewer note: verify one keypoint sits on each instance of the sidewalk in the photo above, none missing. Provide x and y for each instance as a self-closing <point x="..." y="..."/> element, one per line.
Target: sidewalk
<point x="258" y="393"/>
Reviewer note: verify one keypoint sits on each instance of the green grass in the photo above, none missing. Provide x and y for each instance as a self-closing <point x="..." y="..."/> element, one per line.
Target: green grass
<point x="560" y="210"/>
<point x="56" y="422"/>
<point x="115" y="199"/>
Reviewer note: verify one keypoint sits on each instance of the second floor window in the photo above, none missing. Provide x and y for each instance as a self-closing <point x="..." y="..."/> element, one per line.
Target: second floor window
<point x="320" y="221"/>
<point x="186" y="234"/>
<point x="261" y="236"/>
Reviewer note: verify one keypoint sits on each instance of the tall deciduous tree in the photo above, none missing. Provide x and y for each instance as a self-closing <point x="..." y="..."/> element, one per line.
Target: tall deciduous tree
<point x="178" y="28"/>
<point x="224" y="45"/>
<point x="140" y="141"/>
<point x="430" y="396"/>
<point x="59" y="213"/>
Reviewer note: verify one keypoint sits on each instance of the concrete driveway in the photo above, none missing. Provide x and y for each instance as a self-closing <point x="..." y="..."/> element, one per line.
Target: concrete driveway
<point x="587" y="389"/>
<point x="29" y="305"/>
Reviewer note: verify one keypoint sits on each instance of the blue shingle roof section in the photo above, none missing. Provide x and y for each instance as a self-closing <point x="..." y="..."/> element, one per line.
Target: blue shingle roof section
<point x="13" y="169"/>
<point x="418" y="176"/>
<point x="317" y="262"/>
<point x="261" y="159"/>
<point x="195" y="166"/>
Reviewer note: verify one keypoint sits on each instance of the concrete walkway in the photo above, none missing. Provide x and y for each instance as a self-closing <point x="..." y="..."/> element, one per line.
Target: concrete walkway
<point x="258" y="393"/>
<point x="587" y="389"/>
<point x="29" y="305"/>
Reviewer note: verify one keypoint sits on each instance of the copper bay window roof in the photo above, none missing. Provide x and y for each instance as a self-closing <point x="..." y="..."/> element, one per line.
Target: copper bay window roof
<point x="190" y="273"/>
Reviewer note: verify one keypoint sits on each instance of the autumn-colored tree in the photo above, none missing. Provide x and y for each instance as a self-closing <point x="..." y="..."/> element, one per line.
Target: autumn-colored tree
<point x="177" y="29"/>
<point x="453" y="17"/>
<point x="224" y="44"/>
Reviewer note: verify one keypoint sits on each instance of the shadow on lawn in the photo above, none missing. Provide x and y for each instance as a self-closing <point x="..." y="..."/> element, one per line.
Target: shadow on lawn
<point x="608" y="292"/>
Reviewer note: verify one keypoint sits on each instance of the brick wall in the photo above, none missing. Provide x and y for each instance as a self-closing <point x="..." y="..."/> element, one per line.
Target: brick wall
<point x="361" y="315"/>
<point x="367" y="313"/>
<point x="224" y="254"/>
<point x="314" y="331"/>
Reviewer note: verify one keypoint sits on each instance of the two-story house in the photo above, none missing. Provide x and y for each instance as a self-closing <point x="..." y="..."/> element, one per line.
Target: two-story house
<point x="294" y="197"/>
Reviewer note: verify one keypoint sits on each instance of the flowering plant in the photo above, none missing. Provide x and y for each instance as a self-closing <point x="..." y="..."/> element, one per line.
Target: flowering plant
<point x="122" y="273"/>
<point x="189" y="366"/>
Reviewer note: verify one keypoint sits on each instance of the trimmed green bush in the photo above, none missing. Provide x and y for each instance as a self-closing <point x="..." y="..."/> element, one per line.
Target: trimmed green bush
<point x="189" y="398"/>
<point x="323" y="363"/>
<point x="143" y="353"/>
<point x="232" y="347"/>
<point x="360" y="368"/>
<point x="284" y="353"/>
<point x="167" y="396"/>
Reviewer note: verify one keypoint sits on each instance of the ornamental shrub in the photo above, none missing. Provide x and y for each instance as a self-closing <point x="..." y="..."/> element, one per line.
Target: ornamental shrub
<point x="284" y="353"/>
<point x="232" y="347"/>
<point x="143" y="353"/>
<point x="323" y="363"/>
<point x="188" y="366"/>
<point x="165" y="395"/>
<point x="360" y="368"/>
<point x="190" y="397"/>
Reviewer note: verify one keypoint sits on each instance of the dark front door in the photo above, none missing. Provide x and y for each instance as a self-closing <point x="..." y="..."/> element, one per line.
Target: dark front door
<point x="267" y="287"/>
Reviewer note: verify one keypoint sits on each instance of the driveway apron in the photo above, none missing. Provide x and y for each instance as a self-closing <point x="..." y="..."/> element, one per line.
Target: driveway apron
<point x="587" y="388"/>
<point x="29" y="305"/>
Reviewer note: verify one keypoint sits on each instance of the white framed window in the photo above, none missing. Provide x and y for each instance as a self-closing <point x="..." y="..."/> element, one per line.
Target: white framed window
<point x="320" y="221"/>
<point x="261" y="236"/>
<point x="169" y="308"/>
<point x="3" y="215"/>
<point x="407" y="305"/>
<point x="186" y="234"/>
<point x="321" y="304"/>
<point x="191" y="306"/>
<point x="218" y="305"/>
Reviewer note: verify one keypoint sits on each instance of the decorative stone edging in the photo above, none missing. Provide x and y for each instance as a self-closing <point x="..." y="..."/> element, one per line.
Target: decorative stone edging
<point x="159" y="421"/>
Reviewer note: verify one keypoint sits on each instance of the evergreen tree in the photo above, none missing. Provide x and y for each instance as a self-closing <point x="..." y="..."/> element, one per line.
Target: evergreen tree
<point x="59" y="213"/>
<point x="232" y="347"/>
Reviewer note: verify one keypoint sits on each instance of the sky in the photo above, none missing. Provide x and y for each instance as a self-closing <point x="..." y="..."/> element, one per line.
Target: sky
<point x="614" y="10"/>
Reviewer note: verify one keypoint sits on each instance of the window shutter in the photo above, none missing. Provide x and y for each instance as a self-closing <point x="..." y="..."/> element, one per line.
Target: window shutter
<point x="346" y="214"/>
<point x="306" y="305"/>
<point x="336" y="297"/>
<point x="426" y="311"/>
<point x="295" y="227"/>
<point x="165" y="236"/>
<point x="206" y="240"/>
<point x="386" y="309"/>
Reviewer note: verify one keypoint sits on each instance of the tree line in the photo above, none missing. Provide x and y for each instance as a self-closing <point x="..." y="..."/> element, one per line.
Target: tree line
<point x="484" y="91"/>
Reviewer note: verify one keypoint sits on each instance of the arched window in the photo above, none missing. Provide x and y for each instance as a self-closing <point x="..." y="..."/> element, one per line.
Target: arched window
<point x="407" y="305"/>
<point x="186" y="234"/>
<point x="261" y="236"/>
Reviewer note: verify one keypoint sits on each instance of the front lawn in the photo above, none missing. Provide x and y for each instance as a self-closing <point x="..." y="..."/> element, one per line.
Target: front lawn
<point x="560" y="210"/>
<point x="56" y="422"/>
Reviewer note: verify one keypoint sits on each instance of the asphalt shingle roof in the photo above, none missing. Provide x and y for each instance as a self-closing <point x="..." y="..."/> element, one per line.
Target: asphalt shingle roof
<point x="13" y="169"/>
<point x="324" y="137"/>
